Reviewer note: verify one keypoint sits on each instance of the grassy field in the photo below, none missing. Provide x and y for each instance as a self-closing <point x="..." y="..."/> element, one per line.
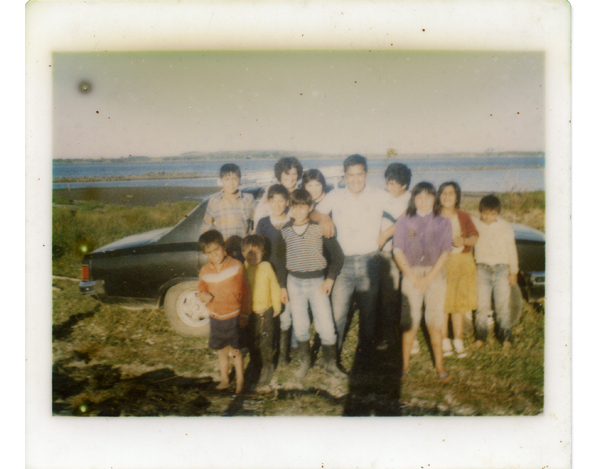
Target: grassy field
<point x="110" y="361"/>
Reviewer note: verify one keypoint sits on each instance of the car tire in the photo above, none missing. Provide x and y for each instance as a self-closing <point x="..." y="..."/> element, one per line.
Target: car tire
<point x="516" y="304"/>
<point x="184" y="311"/>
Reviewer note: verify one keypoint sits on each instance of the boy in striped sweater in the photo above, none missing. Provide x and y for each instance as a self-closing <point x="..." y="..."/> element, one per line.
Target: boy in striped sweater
<point x="303" y="281"/>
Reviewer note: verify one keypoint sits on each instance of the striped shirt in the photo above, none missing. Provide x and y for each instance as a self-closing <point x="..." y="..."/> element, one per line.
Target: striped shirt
<point x="227" y="216"/>
<point x="229" y="288"/>
<point x="304" y="253"/>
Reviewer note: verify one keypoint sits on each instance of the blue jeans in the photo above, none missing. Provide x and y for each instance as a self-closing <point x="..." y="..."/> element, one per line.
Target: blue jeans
<point x="303" y="291"/>
<point x="493" y="281"/>
<point x="360" y="277"/>
<point x="285" y="317"/>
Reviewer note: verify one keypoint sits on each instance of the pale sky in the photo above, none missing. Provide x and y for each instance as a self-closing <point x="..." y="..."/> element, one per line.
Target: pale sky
<point x="339" y="102"/>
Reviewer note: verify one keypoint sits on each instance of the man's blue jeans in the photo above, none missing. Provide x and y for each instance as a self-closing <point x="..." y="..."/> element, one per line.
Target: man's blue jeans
<point x="492" y="280"/>
<point x="359" y="277"/>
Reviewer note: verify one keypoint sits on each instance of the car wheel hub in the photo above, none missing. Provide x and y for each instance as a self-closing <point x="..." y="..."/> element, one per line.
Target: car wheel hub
<point x="190" y="310"/>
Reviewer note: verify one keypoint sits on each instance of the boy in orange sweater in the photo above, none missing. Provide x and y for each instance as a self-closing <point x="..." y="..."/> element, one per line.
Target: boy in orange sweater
<point x="224" y="289"/>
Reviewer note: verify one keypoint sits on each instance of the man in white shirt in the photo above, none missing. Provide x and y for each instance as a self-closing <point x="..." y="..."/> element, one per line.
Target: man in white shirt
<point x="357" y="211"/>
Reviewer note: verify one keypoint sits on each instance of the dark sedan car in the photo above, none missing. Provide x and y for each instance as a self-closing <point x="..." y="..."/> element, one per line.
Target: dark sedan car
<point x="161" y="267"/>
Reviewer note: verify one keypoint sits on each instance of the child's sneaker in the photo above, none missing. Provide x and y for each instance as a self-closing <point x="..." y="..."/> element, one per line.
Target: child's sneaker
<point x="459" y="347"/>
<point x="415" y="347"/>
<point x="447" y="347"/>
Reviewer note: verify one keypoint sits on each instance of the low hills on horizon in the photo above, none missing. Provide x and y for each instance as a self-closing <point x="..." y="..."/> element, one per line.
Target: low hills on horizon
<point x="277" y="154"/>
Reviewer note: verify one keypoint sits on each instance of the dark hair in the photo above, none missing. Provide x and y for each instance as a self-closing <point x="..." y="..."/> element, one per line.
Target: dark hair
<point x="210" y="237"/>
<point x="353" y="160"/>
<point x="230" y="168"/>
<point x="456" y="191"/>
<point x="423" y="187"/>
<point x="285" y="164"/>
<point x="300" y="197"/>
<point x="254" y="241"/>
<point x="233" y="247"/>
<point x="313" y="175"/>
<point x="490" y="202"/>
<point x="277" y="189"/>
<point x="398" y="172"/>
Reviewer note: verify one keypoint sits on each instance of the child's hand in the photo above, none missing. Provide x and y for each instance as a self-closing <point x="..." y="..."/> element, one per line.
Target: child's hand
<point x="458" y="242"/>
<point x="419" y="282"/>
<point x="512" y="279"/>
<point x="326" y="287"/>
<point x="284" y="296"/>
<point x="205" y="297"/>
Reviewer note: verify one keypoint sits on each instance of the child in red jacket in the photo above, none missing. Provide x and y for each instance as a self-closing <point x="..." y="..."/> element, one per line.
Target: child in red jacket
<point x="224" y="289"/>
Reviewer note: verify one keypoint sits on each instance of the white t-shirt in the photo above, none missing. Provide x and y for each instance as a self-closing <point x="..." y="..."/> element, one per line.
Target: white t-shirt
<point x="357" y="218"/>
<point x="395" y="207"/>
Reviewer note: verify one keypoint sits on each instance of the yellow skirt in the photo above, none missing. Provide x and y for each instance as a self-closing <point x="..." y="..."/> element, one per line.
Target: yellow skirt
<point x="461" y="281"/>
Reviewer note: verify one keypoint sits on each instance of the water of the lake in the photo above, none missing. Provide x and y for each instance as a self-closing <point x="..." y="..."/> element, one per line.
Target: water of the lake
<point x="482" y="174"/>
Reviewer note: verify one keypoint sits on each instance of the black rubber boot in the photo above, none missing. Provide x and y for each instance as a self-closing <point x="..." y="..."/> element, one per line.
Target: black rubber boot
<point x="329" y="361"/>
<point x="266" y="356"/>
<point x="284" y="346"/>
<point x="304" y="353"/>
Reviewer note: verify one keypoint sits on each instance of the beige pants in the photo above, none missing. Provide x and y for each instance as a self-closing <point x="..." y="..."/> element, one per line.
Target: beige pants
<point x="433" y="298"/>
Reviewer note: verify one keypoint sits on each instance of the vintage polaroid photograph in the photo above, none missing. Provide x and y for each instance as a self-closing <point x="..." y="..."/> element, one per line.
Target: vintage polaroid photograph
<point x="293" y="216"/>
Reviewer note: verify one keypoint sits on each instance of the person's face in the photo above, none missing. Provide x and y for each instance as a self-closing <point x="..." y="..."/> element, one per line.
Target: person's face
<point x="489" y="216"/>
<point x="314" y="188"/>
<point x="424" y="202"/>
<point x="448" y="197"/>
<point x="253" y="255"/>
<point x="216" y="254"/>
<point x="230" y="183"/>
<point x="289" y="179"/>
<point x="300" y="213"/>
<point x="395" y="188"/>
<point x="278" y="203"/>
<point x="356" y="178"/>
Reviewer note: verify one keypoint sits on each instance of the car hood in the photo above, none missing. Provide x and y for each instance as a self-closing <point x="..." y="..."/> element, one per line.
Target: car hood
<point x="135" y="240"/>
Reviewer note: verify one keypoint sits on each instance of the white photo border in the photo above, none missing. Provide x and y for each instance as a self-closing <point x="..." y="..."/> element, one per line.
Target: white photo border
<point x="467" y="442"/>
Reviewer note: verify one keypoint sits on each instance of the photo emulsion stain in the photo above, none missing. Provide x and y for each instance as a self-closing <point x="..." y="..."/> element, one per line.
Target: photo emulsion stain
<point x="434" y="309"/>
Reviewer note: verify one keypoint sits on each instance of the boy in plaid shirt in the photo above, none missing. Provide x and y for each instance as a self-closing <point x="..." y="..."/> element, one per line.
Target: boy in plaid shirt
<point x="229" y="211"/>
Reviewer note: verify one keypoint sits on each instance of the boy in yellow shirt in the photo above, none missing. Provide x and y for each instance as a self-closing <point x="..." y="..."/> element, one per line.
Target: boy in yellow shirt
<point x="266" y="304"/>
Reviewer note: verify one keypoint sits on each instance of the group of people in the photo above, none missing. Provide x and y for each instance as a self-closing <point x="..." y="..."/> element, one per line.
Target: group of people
<point x="305" y="254"/>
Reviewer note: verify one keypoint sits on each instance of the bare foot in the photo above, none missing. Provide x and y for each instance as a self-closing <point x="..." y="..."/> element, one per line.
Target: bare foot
<point x="223" y="385"/>
<point x="507" y="345"/>
<point x="477" y="344"/>
<point x="239" y="386"/>
<point x="444" y="377"/>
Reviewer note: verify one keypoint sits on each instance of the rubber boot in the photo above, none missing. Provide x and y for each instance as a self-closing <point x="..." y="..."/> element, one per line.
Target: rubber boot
<point x="329" y="361"/>
<point x="304" y="354"/>
<point x="284" y="346"/>
<point x="314" y="352"/>
<point x="266" y="356"/>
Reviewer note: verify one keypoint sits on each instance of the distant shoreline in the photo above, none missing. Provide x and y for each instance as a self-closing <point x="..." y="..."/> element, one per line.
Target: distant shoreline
<point x="275" y="155"/>
<point x="178" y="175"/>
